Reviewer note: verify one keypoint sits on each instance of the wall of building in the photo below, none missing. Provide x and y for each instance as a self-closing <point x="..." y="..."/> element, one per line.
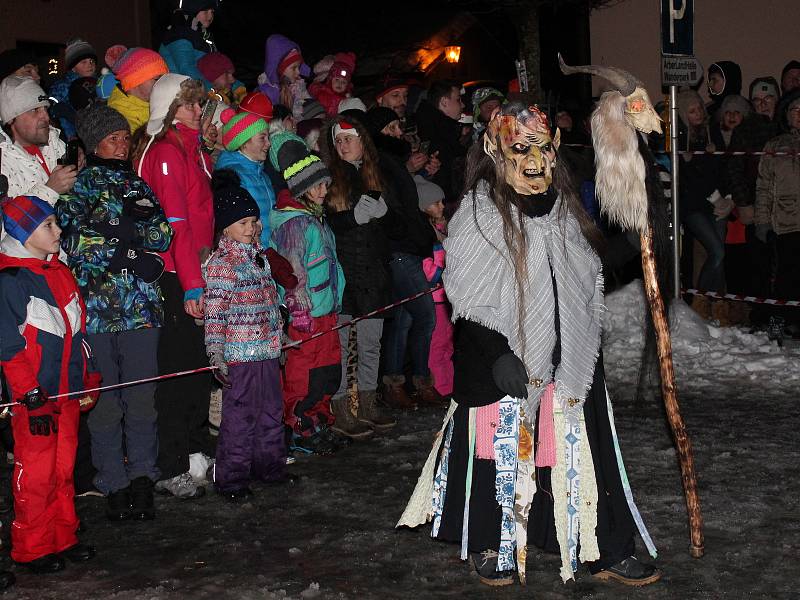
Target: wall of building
<point x="99" y="22"/>
<point x="761" y="36"/>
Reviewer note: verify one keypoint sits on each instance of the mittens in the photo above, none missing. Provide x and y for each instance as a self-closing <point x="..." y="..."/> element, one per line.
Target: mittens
<point x="510" y="376"/>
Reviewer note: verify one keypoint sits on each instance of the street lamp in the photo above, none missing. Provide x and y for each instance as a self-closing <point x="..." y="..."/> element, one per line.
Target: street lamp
<point x="452" y="53"/>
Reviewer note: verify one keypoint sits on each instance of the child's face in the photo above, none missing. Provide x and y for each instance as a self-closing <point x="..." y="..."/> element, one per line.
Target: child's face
<point x="243" y="230"/>
<point x="46" y="239"/>
<point x="435" y="210"/>
<point x="292" y="72"/>
<point x="339" y="84"/>
<point x="257" y="147"/>
<point x="317" y="193"/>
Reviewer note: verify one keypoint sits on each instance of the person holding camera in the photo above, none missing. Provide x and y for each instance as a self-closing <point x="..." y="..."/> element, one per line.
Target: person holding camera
<point x="113" y="226"/>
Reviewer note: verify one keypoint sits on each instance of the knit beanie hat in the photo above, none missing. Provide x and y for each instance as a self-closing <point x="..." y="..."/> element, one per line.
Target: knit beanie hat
<point x="214" y="64"/>
<point x="82" y="92"/>
<point x="483" y="94"/>
<point x="428" y="192"/>
<point x="322" y="68"/>
<point x="764" y="86"/>
<point x="240" y="127"/>
<point x="256" y="102"/>
<point x="312" y="109"/>
<point x="137" y="65"/>
<point x="233" y="203"/>
<point x="164" y="93"/>
<point x="352" y="104"/>
<point x="379" y="117"/>
<point x="792" y="64"/>
<point x="96" y="122"/>
<point x="293" y="56"/>
<point x="19" y="95"/>
<point x="11" y="60"/>
<point x="76" y="51"/>
<point x="735" y="103"/>
<point x="344" y="63"/>
<point x="113" y="54"/>
<point x="343" y="127"/>
<point x="23" y="214"/>
<point x="300" y="169"/>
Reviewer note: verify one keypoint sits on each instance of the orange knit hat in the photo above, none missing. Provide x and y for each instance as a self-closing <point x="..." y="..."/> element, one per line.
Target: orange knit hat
<point x="137" y="65"/>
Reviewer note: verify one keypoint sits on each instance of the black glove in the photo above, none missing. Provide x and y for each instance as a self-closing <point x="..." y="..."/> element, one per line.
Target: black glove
<point x="121" y="229"/>
<point x="147" y="266"/>
<point x="510" y="376"/>
<point x="138" y="208"/>
<point x="42" y="425"/>
<point x="34" y="399"/>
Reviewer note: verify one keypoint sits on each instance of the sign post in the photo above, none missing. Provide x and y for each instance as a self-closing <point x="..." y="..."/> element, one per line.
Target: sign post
<point x="679" y="67"/>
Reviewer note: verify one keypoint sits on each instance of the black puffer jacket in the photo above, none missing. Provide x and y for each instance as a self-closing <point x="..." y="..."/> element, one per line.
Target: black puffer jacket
<point x="364" y="251"/>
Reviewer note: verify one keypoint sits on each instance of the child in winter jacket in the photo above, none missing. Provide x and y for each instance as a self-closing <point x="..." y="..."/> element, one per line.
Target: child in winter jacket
<point x="282" y="80"/>
<point x="243" y="341"/>
<point x="300" y="233"/>
<point x="337" y="85"/>
<point x="440" y="360"/>
<point x="43" y="352"/>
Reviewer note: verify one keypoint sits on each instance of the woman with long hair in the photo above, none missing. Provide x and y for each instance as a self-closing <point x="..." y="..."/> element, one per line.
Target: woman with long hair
<point x="362" y="212"/>
<point x="169" y="157"/>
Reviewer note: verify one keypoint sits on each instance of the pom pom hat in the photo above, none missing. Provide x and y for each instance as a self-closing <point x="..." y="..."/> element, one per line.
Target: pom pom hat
<point x="239" y="127"/>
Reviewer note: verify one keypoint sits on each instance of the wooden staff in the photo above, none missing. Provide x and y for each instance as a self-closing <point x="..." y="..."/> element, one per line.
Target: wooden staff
<point x="664" y="346"/>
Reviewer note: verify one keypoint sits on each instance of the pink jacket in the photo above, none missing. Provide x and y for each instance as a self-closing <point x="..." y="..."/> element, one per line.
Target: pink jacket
<point x="433" y="267"/>
<point x="172" y="169"/>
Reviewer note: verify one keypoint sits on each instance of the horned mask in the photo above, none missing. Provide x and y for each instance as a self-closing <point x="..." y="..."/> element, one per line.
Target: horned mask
<point x="518" y="140"/>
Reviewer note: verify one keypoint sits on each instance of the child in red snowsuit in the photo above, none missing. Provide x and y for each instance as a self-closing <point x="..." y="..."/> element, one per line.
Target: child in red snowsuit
<point x="44" y="353"/>
<point x="337" y="85"/>
<point x="440" y="359"/>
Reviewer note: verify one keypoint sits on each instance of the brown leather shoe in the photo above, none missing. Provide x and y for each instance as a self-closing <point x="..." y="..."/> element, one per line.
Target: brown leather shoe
<point x="394" y="393"/>
<point x="426" y="393"/>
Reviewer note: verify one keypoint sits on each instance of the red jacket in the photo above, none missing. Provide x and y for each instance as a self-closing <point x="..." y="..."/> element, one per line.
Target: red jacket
<point x="172" y="168"/>
<point x="42" y="325"/>
<point x="327" y="97"/>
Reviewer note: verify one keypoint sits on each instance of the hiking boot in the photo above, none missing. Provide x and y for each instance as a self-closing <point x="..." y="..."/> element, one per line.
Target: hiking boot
<point x="426" y="393"/>
<point x="369" y="413"/>
<point x="119" y="505"/>
<point x="181" y="486"/>
<point x="630" y="572"/>
<point x="486" y="566"/>
<point x="346" y="423"/>
<point x="142" y="504"/>
<point x="394" y="393"/>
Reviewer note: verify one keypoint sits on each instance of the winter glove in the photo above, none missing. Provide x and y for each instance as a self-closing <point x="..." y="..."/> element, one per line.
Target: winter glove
<point x="147" y="266"/>
<point x="120" y="230"/>
<point x="138" y="208"/>
<point x="42" y="425"/>
<point x="762" y="231"/>
<point x="302" y="321"/>
<point x="92" y="380"/>
<point x="510" y="376"/>
<point x="281" y="269"/>
<point x="368" y="208"/>
<point x="217" y="360"/>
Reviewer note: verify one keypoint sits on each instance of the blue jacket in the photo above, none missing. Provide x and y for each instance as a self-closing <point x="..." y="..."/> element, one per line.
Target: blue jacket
<point x="254" y="180"/>
<point x="60" y="91"/>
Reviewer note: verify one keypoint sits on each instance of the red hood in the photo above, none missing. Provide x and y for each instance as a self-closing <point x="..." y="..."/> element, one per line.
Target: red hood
<point x="286" y="200"/>
<point x="35" y="264"/>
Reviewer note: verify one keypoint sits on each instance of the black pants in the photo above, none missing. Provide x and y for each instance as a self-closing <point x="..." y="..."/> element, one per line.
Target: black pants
<point x="615" y="525"/>
<point x="787" y="276"/>
<point x="181" y="402"/>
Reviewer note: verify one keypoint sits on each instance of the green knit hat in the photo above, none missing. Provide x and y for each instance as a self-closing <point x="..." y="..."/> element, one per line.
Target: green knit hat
<point x="237" y="128"/>
<point x="301" y="170"/>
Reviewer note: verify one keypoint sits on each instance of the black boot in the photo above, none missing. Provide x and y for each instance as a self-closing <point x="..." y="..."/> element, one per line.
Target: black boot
<point x="119" y="505"/>
<point x="142" y="505"/>
<point x="49" y="563"/>
<point x="630" y="572"/>
<point x="79" y="553"/>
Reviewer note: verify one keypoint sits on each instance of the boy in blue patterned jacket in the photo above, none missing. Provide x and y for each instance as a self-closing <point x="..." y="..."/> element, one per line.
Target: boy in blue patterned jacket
<point x="243" y="341"/>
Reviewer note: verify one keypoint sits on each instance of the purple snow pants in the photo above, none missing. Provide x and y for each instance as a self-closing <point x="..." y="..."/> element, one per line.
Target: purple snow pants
<point x="251" y="438"/>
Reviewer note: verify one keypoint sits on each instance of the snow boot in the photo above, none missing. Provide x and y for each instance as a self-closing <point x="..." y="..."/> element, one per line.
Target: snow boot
<point x="346" y="423"/>
<point x="394" y="394"/>
<point x="630" y="572"/>
<point x="426" y="393"/>
<point x="119" y="505"/>
<point x="142" y="505"/>
<point x="369" y="413"/>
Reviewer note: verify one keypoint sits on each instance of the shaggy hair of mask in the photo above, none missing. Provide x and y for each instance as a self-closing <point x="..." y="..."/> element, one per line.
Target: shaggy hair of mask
<point x="620" y="170"/>
<point x="191" y="91"/>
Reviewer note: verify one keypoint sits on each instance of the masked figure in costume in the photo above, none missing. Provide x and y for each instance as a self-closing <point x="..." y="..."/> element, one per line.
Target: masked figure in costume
<point x="528" y="453"/>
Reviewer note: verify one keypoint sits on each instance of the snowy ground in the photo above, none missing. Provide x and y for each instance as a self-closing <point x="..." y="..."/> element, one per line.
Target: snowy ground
<point x="331" y="535"/>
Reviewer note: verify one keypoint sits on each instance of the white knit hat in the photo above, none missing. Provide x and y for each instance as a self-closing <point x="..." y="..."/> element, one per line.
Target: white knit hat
<point x="165" y="90"/>
<point x="19" y="95"/>
<point x="352" y="104"/>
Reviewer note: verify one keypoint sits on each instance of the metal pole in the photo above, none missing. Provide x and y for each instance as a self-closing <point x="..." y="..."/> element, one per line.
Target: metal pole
<point x="676" y="241"/>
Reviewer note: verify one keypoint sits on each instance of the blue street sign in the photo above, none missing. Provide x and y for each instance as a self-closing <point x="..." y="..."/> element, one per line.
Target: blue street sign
<point x="677" y="27"/>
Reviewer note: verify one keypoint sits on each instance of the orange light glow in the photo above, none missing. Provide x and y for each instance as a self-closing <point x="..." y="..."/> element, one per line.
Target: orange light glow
<point x="452" y="53"/>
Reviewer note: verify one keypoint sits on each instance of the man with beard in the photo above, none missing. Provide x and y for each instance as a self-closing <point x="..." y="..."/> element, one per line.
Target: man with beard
<point x="528" y="451"/>
<point x="31" y="147"/>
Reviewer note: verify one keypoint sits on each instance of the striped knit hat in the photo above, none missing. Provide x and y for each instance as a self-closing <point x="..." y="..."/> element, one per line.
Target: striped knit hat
<point x="240" y="127"/>
<point x="76" y="51"/>
<point x="301" y="170"/>
<point x="23" y="214"/>
<point x="137" y="65"/>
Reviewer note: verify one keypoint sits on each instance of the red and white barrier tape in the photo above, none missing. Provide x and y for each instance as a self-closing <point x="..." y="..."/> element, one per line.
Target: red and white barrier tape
<point x="741" y="298"/>
<point x="116" y="386"/>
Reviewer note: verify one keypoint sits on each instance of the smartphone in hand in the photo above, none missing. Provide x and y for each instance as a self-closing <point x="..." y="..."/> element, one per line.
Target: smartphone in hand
<point x="70" y="158"/>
